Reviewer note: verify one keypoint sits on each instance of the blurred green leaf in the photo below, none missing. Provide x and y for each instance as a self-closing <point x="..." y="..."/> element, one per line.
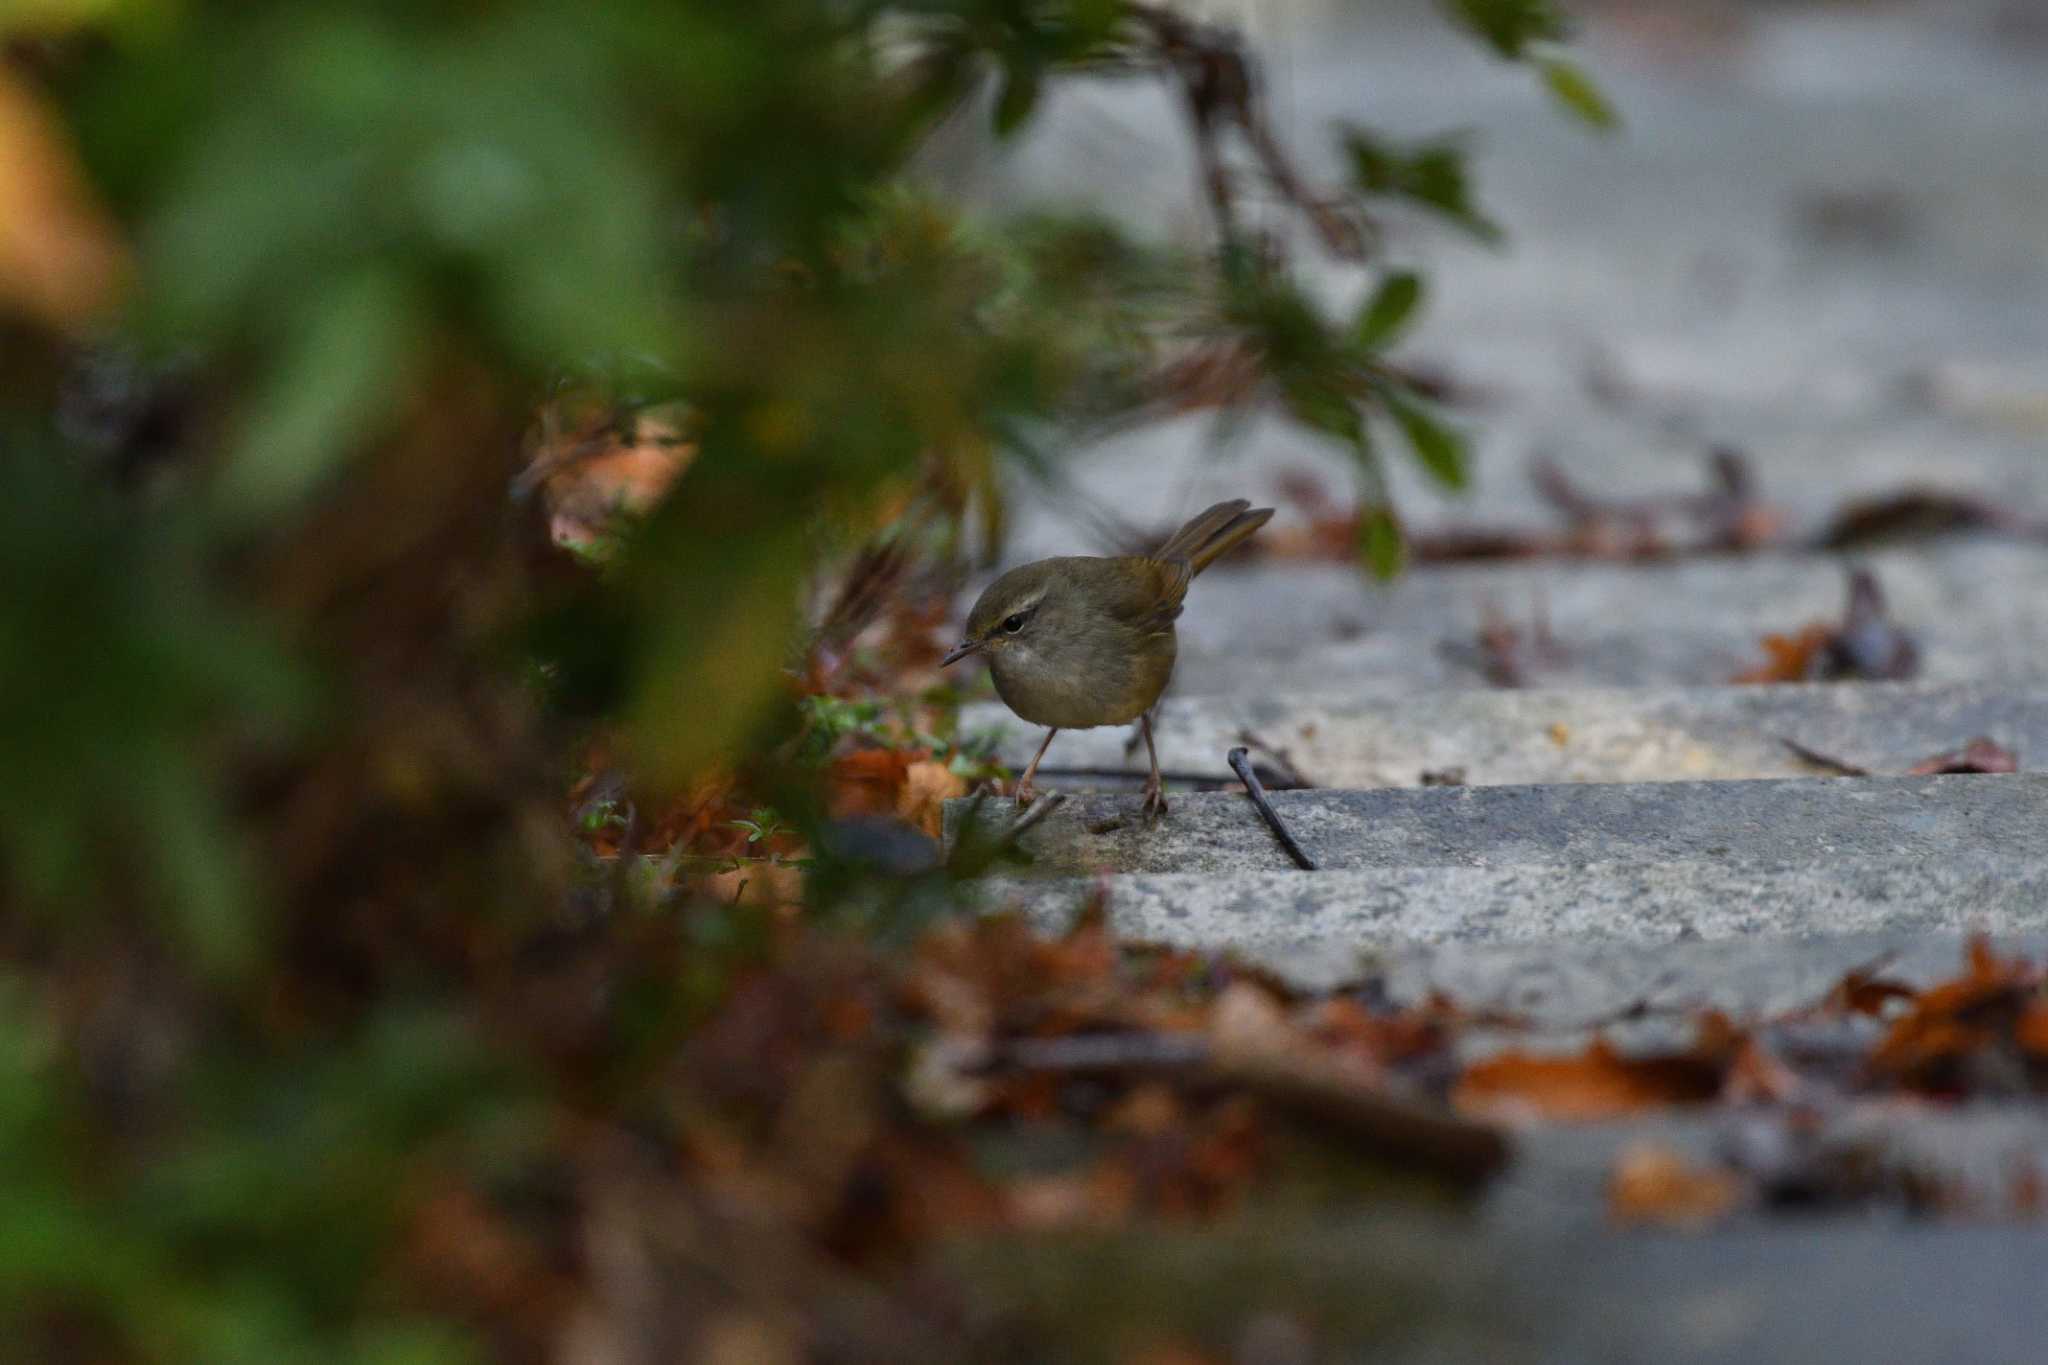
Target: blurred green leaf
<point x="1021" y="86"/>
<point x="712" y="662"/>
<point x="1439" y="447"/>
<point x="1575" y="90"/>
<point x="1380" y="543"/>
<point x="1429" y="174"/>
<point x="120" y="673"/>
<point x="336" y="381"/>
<point x="1329" y="412"/>
<point x="1387" y="313"/>
<point x="68" y="16"/>
<point x="1510" y="26"/>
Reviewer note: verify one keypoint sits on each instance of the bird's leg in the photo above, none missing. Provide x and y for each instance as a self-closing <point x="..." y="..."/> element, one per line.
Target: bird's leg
<point x="1024" y="789"/>
<point x="1155" y="798"/>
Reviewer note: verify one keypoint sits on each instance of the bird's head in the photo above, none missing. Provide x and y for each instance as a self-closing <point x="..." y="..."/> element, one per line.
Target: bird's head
<point x="1004" y="614"/>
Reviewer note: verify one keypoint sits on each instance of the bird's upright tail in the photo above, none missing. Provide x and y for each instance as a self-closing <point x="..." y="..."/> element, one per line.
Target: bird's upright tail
<point x="1212" y="534"/>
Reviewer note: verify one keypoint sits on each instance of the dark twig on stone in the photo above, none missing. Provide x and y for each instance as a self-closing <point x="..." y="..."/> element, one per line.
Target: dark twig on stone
<point x="1841" y="767"/>
<point x="1241" y="764"/>
<point x="1042" y="807"/>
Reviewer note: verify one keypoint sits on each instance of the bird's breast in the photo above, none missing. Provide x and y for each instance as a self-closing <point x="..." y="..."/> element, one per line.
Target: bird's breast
<point x="1077" y="685"/>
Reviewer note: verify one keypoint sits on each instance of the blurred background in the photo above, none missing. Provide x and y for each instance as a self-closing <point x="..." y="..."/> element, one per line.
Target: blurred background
<point x="484" y="489"/>
<point x="1815" y="240"/>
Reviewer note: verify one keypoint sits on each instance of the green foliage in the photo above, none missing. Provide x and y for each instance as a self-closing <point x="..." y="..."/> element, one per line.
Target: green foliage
<point x="1387" y="312"/>
<point x="249" y="1238"/>
<point x="1430" y="175"/>
<point x="1521" y="30"/>
<point x="1380" y="543"/>
<point x="1438" y="446"/>
<point x="125" y="677"/>
<point x="1510" y="27"/>
<point x="289" y="697"/>
<point x="1575" y="90"/>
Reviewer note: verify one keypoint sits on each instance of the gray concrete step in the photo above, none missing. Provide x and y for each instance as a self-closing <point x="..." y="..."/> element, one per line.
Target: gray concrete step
<point x="1293" y="916"/>
<point x="1561" y="989"/>
<point x="1796" y="824"/>
<point x="1406" y="1285"/>
<point x="1978" y="609"/>
<point x="1653" y="862"/>
<point x="1515" y="736"/>
<point x="1808" y="466"/>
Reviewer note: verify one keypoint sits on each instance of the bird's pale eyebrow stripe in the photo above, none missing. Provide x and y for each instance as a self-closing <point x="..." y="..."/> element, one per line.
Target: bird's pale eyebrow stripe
<point x="1024" y="609"/>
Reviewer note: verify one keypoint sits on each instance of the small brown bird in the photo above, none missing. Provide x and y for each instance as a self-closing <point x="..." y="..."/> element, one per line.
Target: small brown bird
<point x="1080" y="641"/>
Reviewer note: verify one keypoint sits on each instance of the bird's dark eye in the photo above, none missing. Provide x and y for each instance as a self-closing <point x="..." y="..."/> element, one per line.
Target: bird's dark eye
<point x="1015" y="623"/>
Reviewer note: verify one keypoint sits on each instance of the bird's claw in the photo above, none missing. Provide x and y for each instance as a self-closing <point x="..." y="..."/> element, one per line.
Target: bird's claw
<point x="1155" y="801"/>
<point x="1026" y="794"/>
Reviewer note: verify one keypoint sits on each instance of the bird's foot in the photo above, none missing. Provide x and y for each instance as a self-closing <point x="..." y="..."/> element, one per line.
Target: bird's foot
<point x="1155" y="800"/>
<point x="1026" y="794"/>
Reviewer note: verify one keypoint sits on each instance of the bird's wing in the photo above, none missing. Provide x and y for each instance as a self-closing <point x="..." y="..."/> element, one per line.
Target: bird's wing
<point x="1144" y="593"/>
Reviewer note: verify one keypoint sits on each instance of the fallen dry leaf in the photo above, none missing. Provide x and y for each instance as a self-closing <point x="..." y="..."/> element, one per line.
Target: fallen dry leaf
<point x="927" y="786"/>
<point x="1097" y="1198"/>
<point x="1997" y="1002"/>
<point x="868" y="781"/>
<point x="1247" y="1026"/>
<point x="1653" y="1186"/>
<point x="1789" y="658"/>
<point x="61" y="260"/>
<point x="1862" y="991"/>
<point x="594" y="467"/>
<point x="1980" y="755"/>
<point x="1598" y="1083"/>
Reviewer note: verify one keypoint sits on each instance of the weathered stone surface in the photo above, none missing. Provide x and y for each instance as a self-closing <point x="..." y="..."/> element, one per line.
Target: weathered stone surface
<point x="1888" y="1291"/>
<point x="1575" y="983"/>
<point x="1294" y="916"/>
<point x="1977" y="607"/>
<point x="1808" y="824"/>
<point x="1397" y="1286"/>
<point x="1595" y="735"/>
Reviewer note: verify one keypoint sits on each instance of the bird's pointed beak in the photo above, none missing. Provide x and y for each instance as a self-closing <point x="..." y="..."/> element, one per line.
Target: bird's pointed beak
<point x="959" y="652"/>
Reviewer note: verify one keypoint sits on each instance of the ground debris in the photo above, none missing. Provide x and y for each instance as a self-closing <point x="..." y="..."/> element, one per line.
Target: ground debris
<point x="1980" y="755"/>
<point x="1866" y="645"/>
<point x="1727" y="516"/>
<point x="1601" y="1082"/>
<point x="1652" y="1185"/>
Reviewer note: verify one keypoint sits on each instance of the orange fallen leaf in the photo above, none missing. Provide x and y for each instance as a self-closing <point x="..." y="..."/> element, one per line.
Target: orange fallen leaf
<point x="61" y="259"/>
<point x="1651" y="1185"/>
<point x="1790" y="658"/>
<point x="1598" y="1083"/>
<point x="1995" y="1000"/>
<point x="1864" y="992"/>
<point x="927" y="785"/>
<point x="594" y="467"/>
<point x="2031" y="1033"/>
<point x="1247" y="1026"/>
<point x="868" y="781"/>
